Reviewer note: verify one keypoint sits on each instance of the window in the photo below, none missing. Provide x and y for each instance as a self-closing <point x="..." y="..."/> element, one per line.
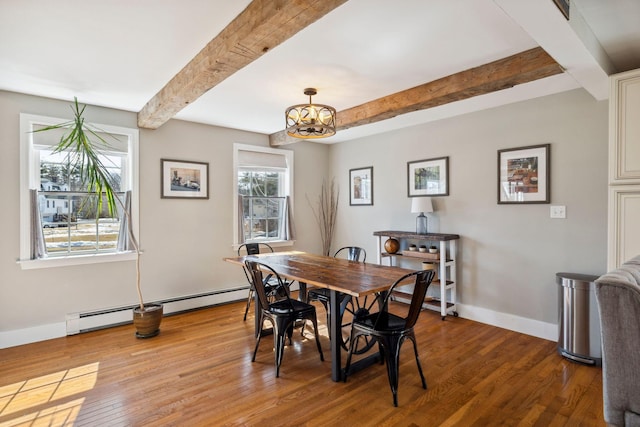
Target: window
<point x="69" y="226"/>
<point x="263" y="188"/>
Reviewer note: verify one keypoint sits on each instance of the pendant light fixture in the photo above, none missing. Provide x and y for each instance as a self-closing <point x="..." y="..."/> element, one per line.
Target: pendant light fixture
<point x="310" y="120"/>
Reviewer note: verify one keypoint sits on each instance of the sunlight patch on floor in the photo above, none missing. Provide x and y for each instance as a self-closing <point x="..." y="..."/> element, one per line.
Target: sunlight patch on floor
<point x="44" y="395"/>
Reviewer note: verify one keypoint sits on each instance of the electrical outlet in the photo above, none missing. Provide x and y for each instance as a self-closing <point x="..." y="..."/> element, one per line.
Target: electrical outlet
<point x="558" y="212"/>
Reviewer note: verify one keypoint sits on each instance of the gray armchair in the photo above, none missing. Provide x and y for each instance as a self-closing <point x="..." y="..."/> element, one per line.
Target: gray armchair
<point x="618" y="296"/>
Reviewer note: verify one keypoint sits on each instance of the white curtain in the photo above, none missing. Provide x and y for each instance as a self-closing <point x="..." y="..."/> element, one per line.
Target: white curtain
<point x="125" y="236"/>
<point x="240" y="219"/>
<point x="289" y="232"/>
<point x="37" y="237"/>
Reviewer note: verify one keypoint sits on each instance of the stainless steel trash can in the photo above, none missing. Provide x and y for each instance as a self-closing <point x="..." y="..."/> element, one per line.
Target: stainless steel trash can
<point x="579" y="320"/>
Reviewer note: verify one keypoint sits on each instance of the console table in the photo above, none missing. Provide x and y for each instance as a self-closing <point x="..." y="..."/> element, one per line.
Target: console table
<point x="444" y="262"/>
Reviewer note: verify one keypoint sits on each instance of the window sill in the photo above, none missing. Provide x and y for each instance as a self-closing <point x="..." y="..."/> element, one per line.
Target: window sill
<point x="76" y="260"/>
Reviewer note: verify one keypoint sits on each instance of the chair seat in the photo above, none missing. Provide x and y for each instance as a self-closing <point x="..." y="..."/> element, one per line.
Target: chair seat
<point x="388" y="324"/>
<point x="289" y="306"/>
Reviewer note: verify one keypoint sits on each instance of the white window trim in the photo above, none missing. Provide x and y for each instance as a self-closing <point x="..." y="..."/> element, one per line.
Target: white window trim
<point x="29" y="177"/>
<point x="288" y="184"/>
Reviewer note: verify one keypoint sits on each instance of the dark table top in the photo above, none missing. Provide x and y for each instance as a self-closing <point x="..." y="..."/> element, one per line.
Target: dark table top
<point x="349" y="277"/>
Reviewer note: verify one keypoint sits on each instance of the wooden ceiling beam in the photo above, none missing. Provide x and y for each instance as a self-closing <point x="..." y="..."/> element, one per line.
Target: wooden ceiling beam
<point x="263" y="25"/>
<point x="520" y="68"/>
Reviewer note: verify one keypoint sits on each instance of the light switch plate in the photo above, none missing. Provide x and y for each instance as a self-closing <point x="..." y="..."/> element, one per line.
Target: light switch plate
<point x="558" y="212"/>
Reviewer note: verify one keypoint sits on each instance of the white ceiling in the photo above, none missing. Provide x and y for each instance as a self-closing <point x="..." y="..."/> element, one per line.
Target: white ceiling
<point x="120" y="53"/>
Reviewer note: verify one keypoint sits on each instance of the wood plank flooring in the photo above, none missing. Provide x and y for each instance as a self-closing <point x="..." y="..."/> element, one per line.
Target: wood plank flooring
<point x="198" y="372"/>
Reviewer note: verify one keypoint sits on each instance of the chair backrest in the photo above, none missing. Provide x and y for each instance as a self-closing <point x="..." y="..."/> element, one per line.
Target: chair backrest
<point x="254" y="248"/>
<point x="423" y="279"/>
<point x="354" y="253"/>
<point x="256" y="271"/>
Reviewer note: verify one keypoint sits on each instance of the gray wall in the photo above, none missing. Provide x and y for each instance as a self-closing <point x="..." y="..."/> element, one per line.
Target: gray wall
<point x="508" y="255"/>
<point x="183" y="241"/>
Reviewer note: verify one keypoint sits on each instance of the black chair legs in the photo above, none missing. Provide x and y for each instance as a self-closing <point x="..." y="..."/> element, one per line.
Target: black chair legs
<point x="282" y="313"/>
<point x="391" y="330"/>
<point x="258" y="338"/>
<point x="390" y="350"/>
<point x="281" y="330"/>
<point x="279" y="343"/>
<point x="246" y="310"/>
<point x="314" y="320"/>
<point x="415" y="351"/>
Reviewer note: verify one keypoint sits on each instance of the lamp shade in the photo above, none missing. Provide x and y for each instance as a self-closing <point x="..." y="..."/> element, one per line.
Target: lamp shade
<point x="421" y="204"/>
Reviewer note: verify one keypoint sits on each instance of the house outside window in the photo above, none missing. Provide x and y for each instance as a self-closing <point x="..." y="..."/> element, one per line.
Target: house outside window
<point x="69" y="224"/>
<point x="263" y="187"/>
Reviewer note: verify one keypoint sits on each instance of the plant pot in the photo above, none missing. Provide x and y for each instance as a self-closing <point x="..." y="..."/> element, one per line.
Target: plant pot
<point x="147" y="321"/>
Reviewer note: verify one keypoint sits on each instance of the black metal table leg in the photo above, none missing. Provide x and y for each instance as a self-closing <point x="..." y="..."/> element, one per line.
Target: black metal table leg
<point x="302" y="291"/>
<point x="336" y="334"/>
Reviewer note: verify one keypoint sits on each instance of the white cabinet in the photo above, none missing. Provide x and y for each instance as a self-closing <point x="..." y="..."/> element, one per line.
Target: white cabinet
<point x="624" y="168"/>
<point x="624" y="224"/>
<point x="444" y="299"/>
<point x="624" y="128"/>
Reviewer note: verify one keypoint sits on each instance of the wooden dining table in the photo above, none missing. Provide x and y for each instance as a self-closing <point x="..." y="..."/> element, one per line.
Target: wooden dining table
<point x="340" y="276"/>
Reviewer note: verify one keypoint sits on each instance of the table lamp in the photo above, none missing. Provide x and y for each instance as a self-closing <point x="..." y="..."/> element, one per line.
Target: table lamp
<point x="422" y="205"/>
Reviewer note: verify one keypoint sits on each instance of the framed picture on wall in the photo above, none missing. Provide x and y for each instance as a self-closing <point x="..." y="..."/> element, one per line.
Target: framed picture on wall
<point x="563" y="5"/>
<point x="428" y="177"/>
<point x="524" y="175"/>
<point x="184" y="179"/>
<point x="361" y="186"/>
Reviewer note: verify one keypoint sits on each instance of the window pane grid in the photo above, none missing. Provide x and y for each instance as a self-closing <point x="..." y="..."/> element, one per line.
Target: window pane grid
<point x="76" y="228"/>
<point x="71" y="224"/>
<point x="262" y="217"/>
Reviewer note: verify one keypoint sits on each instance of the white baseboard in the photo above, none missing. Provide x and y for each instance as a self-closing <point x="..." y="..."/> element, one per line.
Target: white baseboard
<point x="82" y="322"/>
<point x="33" y="334"/>
<point x="536" y="328"/>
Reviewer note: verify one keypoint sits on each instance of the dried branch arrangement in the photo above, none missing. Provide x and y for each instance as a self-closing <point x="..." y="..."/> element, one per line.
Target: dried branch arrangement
<point x="326" y="213"/>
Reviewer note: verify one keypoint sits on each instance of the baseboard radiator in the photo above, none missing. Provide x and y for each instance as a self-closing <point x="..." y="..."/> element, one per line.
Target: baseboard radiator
<point x="100" y="319"/>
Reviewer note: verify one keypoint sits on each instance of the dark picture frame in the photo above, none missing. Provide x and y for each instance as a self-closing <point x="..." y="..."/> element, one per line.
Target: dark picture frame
<point x="524" y="175"/>
<point x="361" y="186"/>
<point x="563" y="5"/>
<point x="429" y="177"/>
<point x="183" y="179"/>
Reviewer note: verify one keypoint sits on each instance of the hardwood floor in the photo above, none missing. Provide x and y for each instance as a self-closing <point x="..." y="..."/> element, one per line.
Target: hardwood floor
<point x="198" y="371"/>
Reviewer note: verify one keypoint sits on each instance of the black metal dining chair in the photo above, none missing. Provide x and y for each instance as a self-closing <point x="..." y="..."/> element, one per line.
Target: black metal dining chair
<point x="352" y="253"/>
<point x="282" y="314"/>
<point x="391" y="330"/>
<point x="254" y="249"/>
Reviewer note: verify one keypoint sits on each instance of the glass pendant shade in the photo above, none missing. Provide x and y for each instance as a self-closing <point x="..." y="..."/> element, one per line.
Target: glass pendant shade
<point x="310" y="120"/>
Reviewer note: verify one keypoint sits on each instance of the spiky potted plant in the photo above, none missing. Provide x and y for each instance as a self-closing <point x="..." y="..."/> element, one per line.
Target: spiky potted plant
<point x="84" y="146"/>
